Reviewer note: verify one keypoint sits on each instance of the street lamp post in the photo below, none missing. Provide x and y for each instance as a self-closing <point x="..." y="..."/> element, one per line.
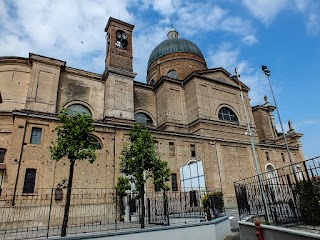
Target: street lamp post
<point x="267" y="73"/>
<point x="249" y="132"/>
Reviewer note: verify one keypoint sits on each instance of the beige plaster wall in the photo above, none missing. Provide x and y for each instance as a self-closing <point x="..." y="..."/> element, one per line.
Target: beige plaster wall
<point x="14" y="82"/>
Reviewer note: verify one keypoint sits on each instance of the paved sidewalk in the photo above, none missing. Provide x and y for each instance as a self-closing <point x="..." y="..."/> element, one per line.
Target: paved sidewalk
<point x="234" y="217"/>
<point x="233" y="236"/>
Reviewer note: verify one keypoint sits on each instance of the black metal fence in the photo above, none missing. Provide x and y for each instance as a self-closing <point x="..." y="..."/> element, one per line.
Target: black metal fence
<point x="40" y="214"/>
<point x="285" y="196"/>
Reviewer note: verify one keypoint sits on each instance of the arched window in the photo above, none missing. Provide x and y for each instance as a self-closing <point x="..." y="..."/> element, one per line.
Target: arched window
<point x="273" y="185"/>
<point x="78" y="109"/>
<point x="192" y="176"/>
<point x="143" y="118"/>
<point x="172" y="73"/>
<point x="226" y="114"/>
<point x="122" y="39"/>
<point x="95" y="141"/>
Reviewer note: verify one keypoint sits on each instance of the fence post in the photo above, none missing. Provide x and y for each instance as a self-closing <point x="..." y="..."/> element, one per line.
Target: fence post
<point x="149" y="211"/>
<point x="116" y="210"/>
<point x="49" y="217"/>
<point x="259" y="233"/>
<point x="165" y="207"/>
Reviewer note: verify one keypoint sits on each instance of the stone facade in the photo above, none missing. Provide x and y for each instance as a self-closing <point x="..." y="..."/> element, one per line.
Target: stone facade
<point x="183" y="112"/>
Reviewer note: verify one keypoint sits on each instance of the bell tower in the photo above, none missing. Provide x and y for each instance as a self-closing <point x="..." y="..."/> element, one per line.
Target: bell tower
<point x="118" y="74"/>
<point x="119" y="44"/>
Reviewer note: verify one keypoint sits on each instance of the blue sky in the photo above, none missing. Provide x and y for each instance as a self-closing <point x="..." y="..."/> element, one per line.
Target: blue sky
<point x="282" y="34"/>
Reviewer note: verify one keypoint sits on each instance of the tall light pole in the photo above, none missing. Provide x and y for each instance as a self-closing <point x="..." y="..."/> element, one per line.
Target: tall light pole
<point x="249" y="132"/>
<point x="267" y="73"/>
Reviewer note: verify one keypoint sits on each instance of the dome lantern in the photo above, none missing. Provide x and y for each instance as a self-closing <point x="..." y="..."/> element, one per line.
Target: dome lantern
<point x="172" y="33"/>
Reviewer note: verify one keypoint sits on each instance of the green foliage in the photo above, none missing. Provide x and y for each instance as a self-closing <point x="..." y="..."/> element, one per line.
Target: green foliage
<point x="123" y="184"/>
<point x="75" y="143"/>
<point x="139" y="160"/>
<point x="309" y="196"/>
<point x="212" y="203"/>
<point x="73" y="139"/>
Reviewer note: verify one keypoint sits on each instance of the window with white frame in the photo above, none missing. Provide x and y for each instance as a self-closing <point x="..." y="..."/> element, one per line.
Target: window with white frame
<point x="192" y="176"/>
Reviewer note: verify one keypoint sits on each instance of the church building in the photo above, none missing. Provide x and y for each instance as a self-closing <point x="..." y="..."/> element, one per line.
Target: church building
<point x="194" y="112"/>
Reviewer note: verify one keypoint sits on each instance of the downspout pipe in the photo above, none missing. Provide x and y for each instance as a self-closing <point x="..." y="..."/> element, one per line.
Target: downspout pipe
<point x="19" y="162"/>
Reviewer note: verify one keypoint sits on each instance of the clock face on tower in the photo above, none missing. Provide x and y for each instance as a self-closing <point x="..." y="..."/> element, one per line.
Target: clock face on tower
<point x="122" y="39"/>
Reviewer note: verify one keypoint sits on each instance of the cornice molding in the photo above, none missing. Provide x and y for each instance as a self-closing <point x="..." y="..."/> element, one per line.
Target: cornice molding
<point x="83" y="73"/>
<point x="14" y="60"/>
<point x="120" y="72"/>
<point x="47" y="60"/>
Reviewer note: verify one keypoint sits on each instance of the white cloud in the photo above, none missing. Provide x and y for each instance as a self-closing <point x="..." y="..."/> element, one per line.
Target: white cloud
<point x="306" y="122"/>
<point x="228" y="57"/>
<point x="165" y="7"/>
<point x="249" y="39"/>
<point x="313" y="24"/>
<point x="67" y="30"/>
<point x="302" y="5"/>
<point x="297" y="126"/>
<point x="224" y="56"/>
<point x="192" y="17"/>
<point x="265" y="10"/>
<point x="144" y="43"/>
<point x="197" y="17"/>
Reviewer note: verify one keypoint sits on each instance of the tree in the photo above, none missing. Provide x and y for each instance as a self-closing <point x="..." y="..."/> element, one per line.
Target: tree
<point x="139" y="162"/>
<point x="74" y="143"/>
<point x="123" y="184"/>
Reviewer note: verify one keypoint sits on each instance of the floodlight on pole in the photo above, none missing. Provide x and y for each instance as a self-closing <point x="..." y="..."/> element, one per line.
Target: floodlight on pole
<point x="267" y="73"/>
<point x="249" y="132"/>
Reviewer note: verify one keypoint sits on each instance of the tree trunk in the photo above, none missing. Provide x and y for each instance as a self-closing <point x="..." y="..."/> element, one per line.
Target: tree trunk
<point x="143" y="212"/>
<point x="166" y="208"/>
<point x="67" y="206"/>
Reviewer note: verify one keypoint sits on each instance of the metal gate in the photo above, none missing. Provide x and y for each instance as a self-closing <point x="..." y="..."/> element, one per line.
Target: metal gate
<point x="157" y="209"/>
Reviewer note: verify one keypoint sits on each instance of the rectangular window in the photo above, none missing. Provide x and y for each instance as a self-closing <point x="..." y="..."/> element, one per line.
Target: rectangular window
<point x="174" y="182"/>
<point x="36" y="135"/>
<point x="2" y="153"/>
<point x="29" y="180"/>
<point x="283" y="157"/>
<point x="172" y="150"/>
<point x="193" y="150"/>
<point x="156" y="147"/>
<point x="267" y="156"/>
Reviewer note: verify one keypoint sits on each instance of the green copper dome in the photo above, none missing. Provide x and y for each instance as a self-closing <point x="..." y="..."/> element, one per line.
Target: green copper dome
<point x="173" y="45"/>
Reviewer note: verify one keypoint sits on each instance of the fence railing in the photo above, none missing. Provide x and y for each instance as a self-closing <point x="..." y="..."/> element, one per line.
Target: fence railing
<point x="292" y="195"/>
<point x="40" y="214"/>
